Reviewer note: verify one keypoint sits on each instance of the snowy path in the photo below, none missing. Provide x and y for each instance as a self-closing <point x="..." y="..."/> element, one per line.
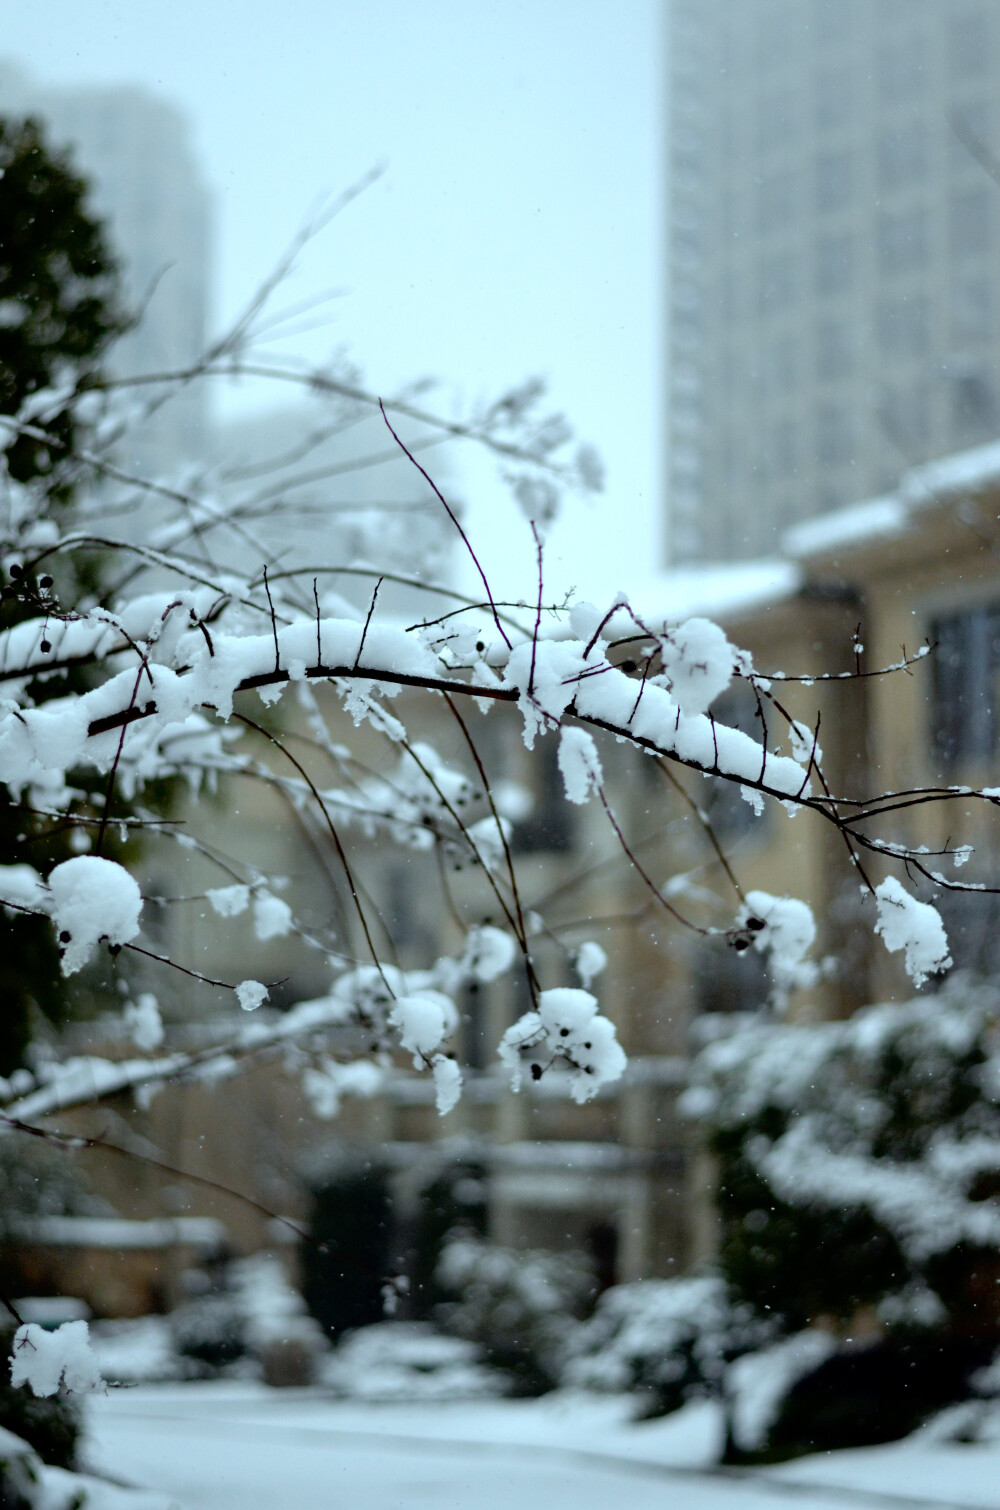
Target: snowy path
<point x="238" y="1447"/>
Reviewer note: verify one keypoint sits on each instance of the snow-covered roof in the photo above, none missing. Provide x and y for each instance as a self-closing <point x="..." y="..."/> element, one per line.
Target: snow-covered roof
<point x="723" y="589"/>
<point x="120" y="1232"/>
<point x="882" y="518"/>
<point x="875" y="519"/>
<point x="963" y="472"/>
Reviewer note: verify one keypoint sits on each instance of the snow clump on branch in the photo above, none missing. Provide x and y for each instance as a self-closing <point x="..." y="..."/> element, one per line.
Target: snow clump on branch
<point x="92" y="898"/>
<point x="45" y="1360"/>
<point x="914" y="927"/>
<point x="784" y="929"/>
<point x="566" y="1026"/>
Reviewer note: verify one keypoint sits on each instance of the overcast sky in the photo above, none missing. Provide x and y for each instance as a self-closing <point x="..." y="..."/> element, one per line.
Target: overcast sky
<point x="517" y="228"/>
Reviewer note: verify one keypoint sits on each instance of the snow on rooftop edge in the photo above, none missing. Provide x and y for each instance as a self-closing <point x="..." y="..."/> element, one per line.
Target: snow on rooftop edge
<point x="877" y="518"/>
<point x="722" y="589"/>
<point x="881" y="518"/>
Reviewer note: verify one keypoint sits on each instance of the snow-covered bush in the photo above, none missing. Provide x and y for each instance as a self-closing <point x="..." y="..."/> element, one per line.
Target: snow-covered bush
<point x="50" y="1424"/>
<point x="664" y="1340"/>
<point x="210" y="1329"/>
<point x="857" y="1160"/>
<point x="408" y="1360"/>
<point x="519" y="1307"/>
<point x="858" y="1165"/>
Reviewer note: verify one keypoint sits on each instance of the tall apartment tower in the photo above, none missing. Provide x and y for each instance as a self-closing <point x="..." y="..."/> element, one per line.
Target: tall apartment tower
<point x="146" y="185"/>
<point x="834" y="255"/>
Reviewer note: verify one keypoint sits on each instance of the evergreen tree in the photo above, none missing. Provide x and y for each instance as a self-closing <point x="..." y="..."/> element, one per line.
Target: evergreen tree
<point x="58" y="313"/>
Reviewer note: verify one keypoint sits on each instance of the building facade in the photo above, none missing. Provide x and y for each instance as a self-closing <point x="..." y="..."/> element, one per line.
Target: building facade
<point x="834" y="281"/>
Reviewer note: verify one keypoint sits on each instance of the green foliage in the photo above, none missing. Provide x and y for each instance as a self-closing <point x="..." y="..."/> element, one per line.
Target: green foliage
<point x="58" y="312"/>
<point x="57" y="290"/>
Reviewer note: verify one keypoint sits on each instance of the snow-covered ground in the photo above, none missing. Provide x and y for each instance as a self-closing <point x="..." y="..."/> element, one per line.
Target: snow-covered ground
<point x="238" y="1446"/>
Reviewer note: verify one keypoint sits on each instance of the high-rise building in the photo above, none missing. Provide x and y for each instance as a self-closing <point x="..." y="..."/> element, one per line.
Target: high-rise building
<point x="834" y="254"/>
<point x="146" y="185"/>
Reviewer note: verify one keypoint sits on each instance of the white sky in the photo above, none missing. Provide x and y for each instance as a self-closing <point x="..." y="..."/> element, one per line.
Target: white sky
<point x="517" y="228"/>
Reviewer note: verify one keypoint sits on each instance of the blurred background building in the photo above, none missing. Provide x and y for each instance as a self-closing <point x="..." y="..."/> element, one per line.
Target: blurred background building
<point x="834" y="219"/>
<point x="146" y="184"/>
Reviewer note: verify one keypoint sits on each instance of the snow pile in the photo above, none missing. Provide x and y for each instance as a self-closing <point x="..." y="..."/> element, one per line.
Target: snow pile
<point x="46" y="1361"/>
<point x="914" y="927"/>
<point x="92" y="899"/>
<point x="568" y="1027"/>
<point x="408" y="1360"/>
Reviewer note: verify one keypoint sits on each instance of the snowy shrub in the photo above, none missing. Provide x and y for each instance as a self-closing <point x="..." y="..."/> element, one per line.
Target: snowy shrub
<point x="211" y="1329"/>
<point x="857" y="1159"/>
<point x="858" y="1164"/>
<point x="408" y="1360"/>
<point x="666" y="1340"/>
<point x="520" y="1307"/>
<point x="49" y="1424"/>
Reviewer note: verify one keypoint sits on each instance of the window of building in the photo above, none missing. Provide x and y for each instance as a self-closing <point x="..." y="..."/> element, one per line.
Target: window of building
<point x="782" y="448"/>
<point x="970" y="222"/>
<point x="902" y="240"/>
<point x="776" y="283"/>
<point x="905" y="419"/>
<point x="900" y="69"/>
<point x="902" y="156"/>
<point x="775" y="202"/>
<point x="776" y="120"/>
<point x="966" y="670"/>
<point x="834" y="264"/>
<point x="725" y="981"/>
<point x="972" y="309"/>
<point x="834" y="436"/>
<point x="969" y="42"/>
<point x="549" y="826"/>
<point x="779" y="366"/>
<point x="834" y="351"/>
<point x="903" y="326"/>
<point x="974" y="406"/>
<point x="831" y="20"/>
<point x="834" y="180"/>
<point x="834" y="95"/>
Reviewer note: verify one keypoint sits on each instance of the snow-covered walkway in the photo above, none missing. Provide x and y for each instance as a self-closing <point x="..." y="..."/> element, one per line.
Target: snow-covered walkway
<point x="235" y="1446"/>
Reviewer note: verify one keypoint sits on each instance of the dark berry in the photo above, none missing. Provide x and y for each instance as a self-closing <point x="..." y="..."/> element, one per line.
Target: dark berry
<point x="45" y="646"/>
<point x="65" y="936"/>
